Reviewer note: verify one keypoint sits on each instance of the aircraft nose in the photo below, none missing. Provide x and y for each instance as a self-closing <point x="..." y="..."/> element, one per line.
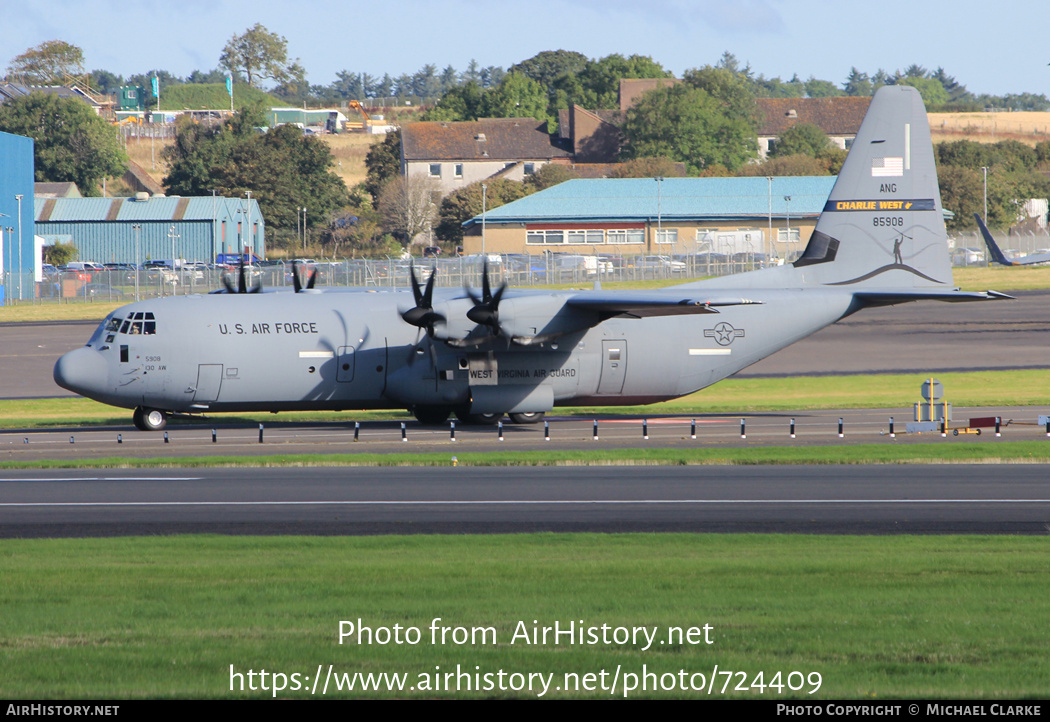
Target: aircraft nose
<point x="81" y="370"/>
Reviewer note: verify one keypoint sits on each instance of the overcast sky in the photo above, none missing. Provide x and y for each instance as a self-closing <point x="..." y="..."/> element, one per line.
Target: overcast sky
<point x="997" y="49"/>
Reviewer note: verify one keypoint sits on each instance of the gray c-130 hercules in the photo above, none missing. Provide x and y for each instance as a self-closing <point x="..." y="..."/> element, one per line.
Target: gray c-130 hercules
<point x="880" y="240"/>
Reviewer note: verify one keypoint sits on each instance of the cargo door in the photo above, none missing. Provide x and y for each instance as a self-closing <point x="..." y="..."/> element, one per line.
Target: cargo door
<point x="209" y="378"/>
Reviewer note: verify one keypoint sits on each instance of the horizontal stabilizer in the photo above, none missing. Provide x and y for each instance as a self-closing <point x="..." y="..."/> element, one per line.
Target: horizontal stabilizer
<point x="892" y="297"/>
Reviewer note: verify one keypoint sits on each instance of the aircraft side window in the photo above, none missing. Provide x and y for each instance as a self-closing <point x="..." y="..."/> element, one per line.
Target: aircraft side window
<point x="123" y="354"/>
<point x="113" y="324"/>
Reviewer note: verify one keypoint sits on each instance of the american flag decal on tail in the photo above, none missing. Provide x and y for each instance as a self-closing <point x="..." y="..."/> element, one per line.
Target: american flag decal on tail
<point x="886" y="167"/>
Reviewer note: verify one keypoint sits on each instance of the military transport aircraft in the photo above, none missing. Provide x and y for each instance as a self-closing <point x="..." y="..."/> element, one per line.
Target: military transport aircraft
<point x="999" y="257"/>
<point x="879" y="241"/>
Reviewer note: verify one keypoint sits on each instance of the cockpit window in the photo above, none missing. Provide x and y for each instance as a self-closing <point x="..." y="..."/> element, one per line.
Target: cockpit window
<point x="138" y="323"/>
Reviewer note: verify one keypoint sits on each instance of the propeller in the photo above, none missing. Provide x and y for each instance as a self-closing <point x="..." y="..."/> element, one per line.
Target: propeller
<point x="311" y="277"/>
<point x="486" y="307"/>
<point x="242" y="282"/>
<point x="423" y="314"/>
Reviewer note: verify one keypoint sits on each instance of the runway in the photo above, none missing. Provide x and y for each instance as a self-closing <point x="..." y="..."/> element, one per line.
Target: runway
<point x="1011" y="499"/>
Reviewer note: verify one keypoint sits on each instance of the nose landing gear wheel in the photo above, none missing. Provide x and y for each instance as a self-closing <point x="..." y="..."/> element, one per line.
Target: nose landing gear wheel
<point x="149" y="419"/>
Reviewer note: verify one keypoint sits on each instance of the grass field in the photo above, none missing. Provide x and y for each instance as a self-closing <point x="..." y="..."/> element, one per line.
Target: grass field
<point x="1027" y="127"/>
<point x="875" y="617"/>
<point x="348" y="153"/>
<point x="1005" y="452"/>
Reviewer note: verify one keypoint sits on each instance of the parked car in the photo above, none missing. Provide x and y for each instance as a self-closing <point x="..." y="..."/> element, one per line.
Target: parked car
<point x="967" y="256"/>
<point x="191" y="271"/>
<point x="99" y="290"/>
<point x="123" y="273"/>
<point x="580" y="264"/>
<point x="658" y="264"/>
<point x="84" y="266"/>
<point x="162" y="274"/>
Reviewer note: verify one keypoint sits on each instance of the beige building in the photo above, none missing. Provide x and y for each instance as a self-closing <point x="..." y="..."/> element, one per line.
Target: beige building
<point x="456" y="154"/>
<point x="839" y="118"/>
<point x="672" y="216"/>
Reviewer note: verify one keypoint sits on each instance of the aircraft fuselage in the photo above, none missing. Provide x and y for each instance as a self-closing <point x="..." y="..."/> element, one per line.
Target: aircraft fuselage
<point x="284" y="351"/>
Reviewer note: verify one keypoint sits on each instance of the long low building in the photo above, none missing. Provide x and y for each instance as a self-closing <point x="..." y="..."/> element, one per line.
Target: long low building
<point x="143" y="228"/>
<point x="628" y="216"/>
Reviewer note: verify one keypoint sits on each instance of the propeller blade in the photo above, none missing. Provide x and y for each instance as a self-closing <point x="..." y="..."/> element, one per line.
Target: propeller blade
<point x="415" y="284"/>
<point x="428" y="294"/>
<point x="423" y="314"/>
<point x="242" y="281"/>
<point x="486" y="308"/>
<point x="312" y="279"/>
<point x="296" y="283"/>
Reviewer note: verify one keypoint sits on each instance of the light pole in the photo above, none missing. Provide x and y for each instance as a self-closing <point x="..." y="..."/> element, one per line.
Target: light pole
<point x="985" y="169"/>
<point x="771" y="250"/>
<point x="19" y="199"/>
<point x="787" y="199"/>
<point x="659" y="210"/>
<point x="250" y="234"/>
<point x="138" y="254"/>
<point x="175" y="278"/>
<point x="304" y="230"/>
<point x="483" y="203"/>
<point x="214" y="246"/>
<point x="10" y="235"/>
<point x="3" y="215"/>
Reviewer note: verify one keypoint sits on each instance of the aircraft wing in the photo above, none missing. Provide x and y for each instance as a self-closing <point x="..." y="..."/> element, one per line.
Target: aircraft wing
<point x="999" y="257"/>
<point x="635" y="304"/>
<point x="531" y="319"/>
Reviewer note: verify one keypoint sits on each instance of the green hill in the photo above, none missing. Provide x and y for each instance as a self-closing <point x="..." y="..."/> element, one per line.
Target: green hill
<point x="213" y="96"/>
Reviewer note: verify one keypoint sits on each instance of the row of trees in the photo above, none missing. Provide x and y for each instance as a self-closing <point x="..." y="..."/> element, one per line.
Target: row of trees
<point x="1016" y="172"/>
<point x="565" y="77"/>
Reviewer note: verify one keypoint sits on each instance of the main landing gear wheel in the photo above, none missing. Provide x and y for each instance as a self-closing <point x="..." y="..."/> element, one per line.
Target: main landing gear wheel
<point x="478" y="419"/>
<point x="149" y="419"/>
<point x="431" y="415"/>
<point x="533" y="417"/>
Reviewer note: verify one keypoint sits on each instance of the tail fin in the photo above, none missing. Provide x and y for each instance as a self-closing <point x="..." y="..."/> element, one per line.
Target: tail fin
<point x="999" y="257"/>
<point x="882" y="226"/>
<point x="997" y="254"/>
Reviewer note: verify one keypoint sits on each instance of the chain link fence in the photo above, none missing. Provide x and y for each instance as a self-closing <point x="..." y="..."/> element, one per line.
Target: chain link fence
<point x="517" y="270"/>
